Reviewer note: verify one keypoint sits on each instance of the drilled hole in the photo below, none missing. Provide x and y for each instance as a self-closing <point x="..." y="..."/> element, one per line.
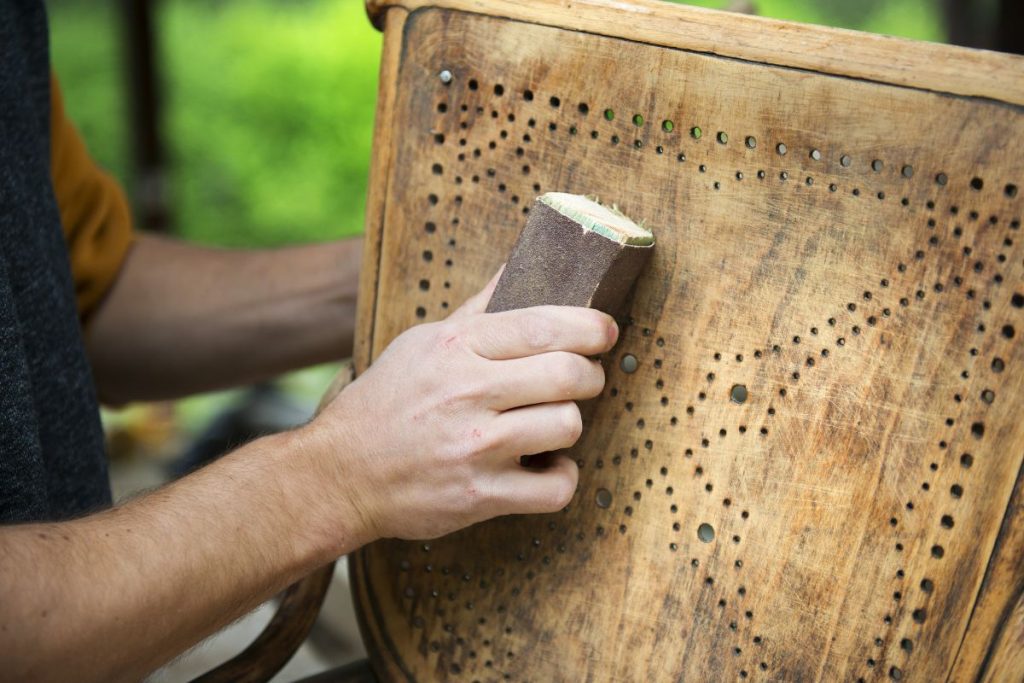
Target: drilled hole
<point x="706" y="532"/>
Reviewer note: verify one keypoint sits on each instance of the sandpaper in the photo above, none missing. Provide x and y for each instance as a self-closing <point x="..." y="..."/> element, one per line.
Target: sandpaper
<point x="573" y="252"/>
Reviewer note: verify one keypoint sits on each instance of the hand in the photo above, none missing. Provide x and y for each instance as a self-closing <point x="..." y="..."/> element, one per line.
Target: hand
<point x="428" y="440"/>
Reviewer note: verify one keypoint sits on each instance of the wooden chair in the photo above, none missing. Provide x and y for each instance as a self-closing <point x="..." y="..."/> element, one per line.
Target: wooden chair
<point x="812" y="470"/>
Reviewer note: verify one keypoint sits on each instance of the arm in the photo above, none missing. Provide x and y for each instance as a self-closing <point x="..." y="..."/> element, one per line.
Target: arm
<point x="182" y="319"/>
<point x="425" y="442"/>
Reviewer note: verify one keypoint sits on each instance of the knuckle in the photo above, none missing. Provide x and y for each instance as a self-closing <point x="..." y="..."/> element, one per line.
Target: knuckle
<point x="571" y="423"/>
<point x="567" y="374"/>
<point x="476" y="444"/>
<point x="476" y="389"/>
<point x="448" y="337"/>
<point x="598" y="324"/>
<point x="450" y="400"/>
<point x="537" y="331"/>
<point x="461" y="457"/>
<point x="472" y="496"/>
<point x="562" y="491"/>
<point x="599" y="377"/>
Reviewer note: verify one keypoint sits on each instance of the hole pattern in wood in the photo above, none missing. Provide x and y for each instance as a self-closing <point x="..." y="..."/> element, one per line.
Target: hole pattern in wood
<point x="816" y="249"/>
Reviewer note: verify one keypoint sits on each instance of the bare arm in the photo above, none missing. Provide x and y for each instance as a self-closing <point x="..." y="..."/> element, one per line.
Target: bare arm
<point x="182" y="319"/>
<point x="161" y="572"/>
<point x="425" y="442"/>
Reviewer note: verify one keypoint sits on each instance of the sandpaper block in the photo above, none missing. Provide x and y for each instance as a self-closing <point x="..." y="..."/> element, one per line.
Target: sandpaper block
<point x="573" y="252"/>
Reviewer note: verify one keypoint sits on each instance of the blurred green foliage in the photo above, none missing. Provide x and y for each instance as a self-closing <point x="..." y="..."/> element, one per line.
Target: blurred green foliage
<point x="918" y="19"/>
<point x="268" y="109"/>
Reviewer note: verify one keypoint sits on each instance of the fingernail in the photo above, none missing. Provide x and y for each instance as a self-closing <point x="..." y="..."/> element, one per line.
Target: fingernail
<point x="613" y="332"/>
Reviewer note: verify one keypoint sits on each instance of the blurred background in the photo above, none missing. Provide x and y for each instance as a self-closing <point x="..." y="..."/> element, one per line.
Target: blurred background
<point x="249" y="124"/>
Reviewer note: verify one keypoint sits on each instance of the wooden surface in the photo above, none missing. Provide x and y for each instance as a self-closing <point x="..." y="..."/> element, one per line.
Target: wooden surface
<point x="883" y="59"/>
<point x="860" y="287"/>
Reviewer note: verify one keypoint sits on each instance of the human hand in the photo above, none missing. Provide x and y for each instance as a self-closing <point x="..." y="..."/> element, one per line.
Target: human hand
<point x="428" y="440"/>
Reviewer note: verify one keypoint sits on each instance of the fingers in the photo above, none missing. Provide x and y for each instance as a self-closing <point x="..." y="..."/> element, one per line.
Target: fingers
<point x="529" y="331"/>
<point x="522" y="490"/>
<point x="545" y="378"/>
<point x="536" y="429"/>
<point x="478" y="302"/>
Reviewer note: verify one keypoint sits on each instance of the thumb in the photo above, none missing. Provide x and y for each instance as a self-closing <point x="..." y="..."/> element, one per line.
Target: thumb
<point x="478" y="302"/>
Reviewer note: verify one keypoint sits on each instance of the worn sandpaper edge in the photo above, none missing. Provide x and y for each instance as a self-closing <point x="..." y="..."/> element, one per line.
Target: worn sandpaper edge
<point x="559" y="201"/>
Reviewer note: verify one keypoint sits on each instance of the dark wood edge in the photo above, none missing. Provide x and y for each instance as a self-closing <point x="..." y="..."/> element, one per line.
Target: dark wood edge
<point x="1000" y="559"/>
<point x="384" y="658"/>
<point x="300" y="605"/>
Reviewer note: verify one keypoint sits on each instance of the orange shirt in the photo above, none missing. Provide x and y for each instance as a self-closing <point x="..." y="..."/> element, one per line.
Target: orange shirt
<point x="94" y="212"/>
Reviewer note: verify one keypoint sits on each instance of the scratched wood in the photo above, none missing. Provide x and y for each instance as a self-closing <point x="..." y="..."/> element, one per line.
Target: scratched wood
<point x="845" y="249"/>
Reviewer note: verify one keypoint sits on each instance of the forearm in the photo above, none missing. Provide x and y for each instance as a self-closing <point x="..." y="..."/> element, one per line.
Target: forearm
<point x="162" y="572"/>
<point x="182" y="319"/>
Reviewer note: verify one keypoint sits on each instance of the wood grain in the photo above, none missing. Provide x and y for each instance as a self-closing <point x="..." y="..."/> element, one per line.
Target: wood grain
<point x="993" y="647"/>
<point x="866" y="56"/>
<point x="863" y="283"/>
<point x="384" y="130"/>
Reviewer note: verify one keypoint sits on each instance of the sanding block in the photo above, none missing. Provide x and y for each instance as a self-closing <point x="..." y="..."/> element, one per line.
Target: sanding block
<point x="574" y="251"/>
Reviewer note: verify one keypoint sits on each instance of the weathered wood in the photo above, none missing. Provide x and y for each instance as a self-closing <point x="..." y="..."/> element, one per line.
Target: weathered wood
<point x="837" y="518"/>
<point x="993" y="646"/>
<point x="384" y="130"/>
<point x="865" y="56"/>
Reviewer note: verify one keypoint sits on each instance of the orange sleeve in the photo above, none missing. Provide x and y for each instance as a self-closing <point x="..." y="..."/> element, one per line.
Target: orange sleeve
<point x="94" y="212"/>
